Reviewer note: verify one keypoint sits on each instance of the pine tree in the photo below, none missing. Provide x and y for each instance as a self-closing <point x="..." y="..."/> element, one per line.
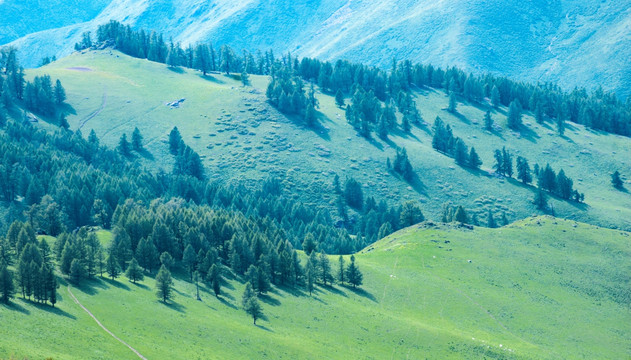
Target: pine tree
<point x="309" y="245"/>
<point x="405" y="125"/>
<point x="166" y="260"/>
<point x="410" y="214"/>
<point x="474" y="161"/>
<point x="136" y="140"/>
<point x="123" y="146"/>
<point x="539" y="115"/>
<point x="311" y="272"/>
<point x="77" y="271"/>
<point x="495" y="97"/>
<point x="175" y="141"/>
<point x="7" y="288"/>
<point x="523" y="170"/>
<point x="341" y="270"/>
<point x="339" y="98"/>
<point x="253" y="308"/>
<point x="245" y="78"/>
<point x="164" y="284"/>
<point x="325" y="268"/>
<point x="461" y="215"/>
<point x="488" y="121"/>
<point x="310" y="116"/>
<point x="514" y="115"/>
<point x="460" y="155"/>
<point x="189" y="258"/>
<point x="134" y="272"/>
<point x="560" y="125"/>
<point x="51" y="285"/>
<point x="452" y="103"/>
<point x="490" y="221"/>
<point x="112" y="266"/>
<point x="214" y="279"/>
<point x="60" y="93"/>
<point x="354" y="276"/>
<point x="248" y="293"/>
<point x="541" y="200"/>
<point x="616" y="181"/>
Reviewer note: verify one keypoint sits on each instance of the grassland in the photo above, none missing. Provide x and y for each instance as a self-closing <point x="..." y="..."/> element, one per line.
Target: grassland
<point x="541" y="288"/>
<point x="241" y="137"/>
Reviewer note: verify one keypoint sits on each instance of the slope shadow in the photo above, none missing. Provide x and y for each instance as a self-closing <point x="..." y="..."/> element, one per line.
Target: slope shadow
<point x="213" y="79"/>
<point x="116" y="283"/>
<point x="317" y="128"/>
<point x="14" y="306"/>
<point x="332" y="289"/>
<point x="361" y="292"/>
<point x="145" y="154"/>
<point x="142" y="286"/>
<point x="50" y="309"/>
<point x="226" y="302"/>
<point x="177" y="70"/>
<point x="269" y="300"/>
<point x="264" y="327"/>
<point x="175" y="306"/>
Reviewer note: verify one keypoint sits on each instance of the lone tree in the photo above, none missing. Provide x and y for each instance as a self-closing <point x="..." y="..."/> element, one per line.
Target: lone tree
<point x="175" y="139"/>
<point x="514" y="115"/>
<point x="354" y="276"/>
<point x="488" y="121"/>
<point x="112" y="267"/>
<point x="453" y="105"/>
<point x="616" y="181"/>
<point x="134" y="272"/>
<point x="342" y="268"/>
<point x="164" y="284"/>
<point x="136" y="140"/>
<point x="250" y="303"/>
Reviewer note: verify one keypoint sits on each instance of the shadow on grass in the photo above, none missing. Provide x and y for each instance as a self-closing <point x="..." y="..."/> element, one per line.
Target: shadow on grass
<point x="226" y="302"/>
<point x="213" y="79"/>
<point x="116" y="284"/>
<point x="361" y="292"/>
<point x="264" y="327"/>
<point x="181" y="293"/>
<point x="175" y="306"/>
<point x="14" y="306"/>
<point x="140" y="285"/>
<point x="145" y="154"/>
<point x="292" y="290"/>
<point x="269" y="300"/>
<point x="528" y="134"/>
<point x="332" y="289"/>
<point x="177" y="70"/>
<point x="50" y="309"/>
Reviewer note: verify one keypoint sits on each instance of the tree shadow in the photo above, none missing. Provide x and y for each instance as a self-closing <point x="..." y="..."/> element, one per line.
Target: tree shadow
<point x="361" y="292"/>
<point x="14" y="306"/>
<point x="226" y="302"/>
<point x="332" y="289"/>
<point x="459" y="116"/>
<point x="213" y="79"/>
<point x="175" y="306"/>
<point x="372" y="141"/>
<point x="269" y="300"/>
<point x="181" y="293"/>
<point x="116" y="284"/>
<point x="67" y="109"/>
<point x="292" y="290"/>
<point x="262" y="326"/>
<point x="142" y="286"/>
<point x="50" y="309"/>
<point x="145" y="154"/>
<point x="528" y="133"/>
<point x="177" y="70"/>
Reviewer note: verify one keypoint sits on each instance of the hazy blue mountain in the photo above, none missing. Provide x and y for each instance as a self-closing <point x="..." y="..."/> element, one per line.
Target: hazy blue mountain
<point x="574" y="43"/>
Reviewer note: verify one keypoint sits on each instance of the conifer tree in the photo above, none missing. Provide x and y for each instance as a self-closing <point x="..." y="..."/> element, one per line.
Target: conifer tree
<point x="136" y="140"/>
<point x="112" y="266"/>
<point x="490" y="221"/>
<point x="123" y="146"/>
<point x="253" y="308"/>
<point x="354" y="276"/>
<point x="339" y="98"/>
<point x="523" y="170"/>
<point x="77" y="271"/>
<point x="325" y="268"/>
<point x="164" y="285"/>
<point x="616" y="181"/>
<point x="134" y="272"/>
<point x="474" y="160"/>
<point x="175" y="141"/>
<point x="488" y="121"/>
<point x="514" y="115"/>
<point x="495" y="97"/>
<point x="7" y="288"/>
<point x="60" y="93"/>
<point x="214" y="279"/>
<point x="452" y="103"/>
<point x="341" y="270"/>
<point x="541" y="200"/>
<point x="189" y="258"/>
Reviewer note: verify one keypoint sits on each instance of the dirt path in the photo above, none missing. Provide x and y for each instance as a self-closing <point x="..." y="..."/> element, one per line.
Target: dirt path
<point x="95" y="112"/>
<point x="103" y="327"/>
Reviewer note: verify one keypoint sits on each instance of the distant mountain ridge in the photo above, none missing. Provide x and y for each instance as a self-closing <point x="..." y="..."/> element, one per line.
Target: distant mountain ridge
<point x="575" y="43"/>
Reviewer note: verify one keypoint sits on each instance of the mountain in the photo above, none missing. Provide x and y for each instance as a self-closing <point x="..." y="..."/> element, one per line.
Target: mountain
<point x="241" y="137"/>
<point x="541" y="288"/>
<point x="575" y="43"/>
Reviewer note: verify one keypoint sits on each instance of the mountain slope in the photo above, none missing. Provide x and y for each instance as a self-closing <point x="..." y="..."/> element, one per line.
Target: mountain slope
<point x="541" y="288"/>
<point x="582" y="43"/>
<point x="241" y="137"/>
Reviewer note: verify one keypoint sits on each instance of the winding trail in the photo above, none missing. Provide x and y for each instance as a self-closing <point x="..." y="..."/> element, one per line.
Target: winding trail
<point x="103" y="327"/>
<point x="95" y="112"/>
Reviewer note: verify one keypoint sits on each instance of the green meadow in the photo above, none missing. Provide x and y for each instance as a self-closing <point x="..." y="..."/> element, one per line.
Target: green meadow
<point x="541" y="288"/>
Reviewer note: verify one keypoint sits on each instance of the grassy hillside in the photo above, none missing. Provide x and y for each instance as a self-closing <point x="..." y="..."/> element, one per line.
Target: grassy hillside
<point x="575" y="43"/>
<point x="240" y="136"/>
<point x="541" y="288"/>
